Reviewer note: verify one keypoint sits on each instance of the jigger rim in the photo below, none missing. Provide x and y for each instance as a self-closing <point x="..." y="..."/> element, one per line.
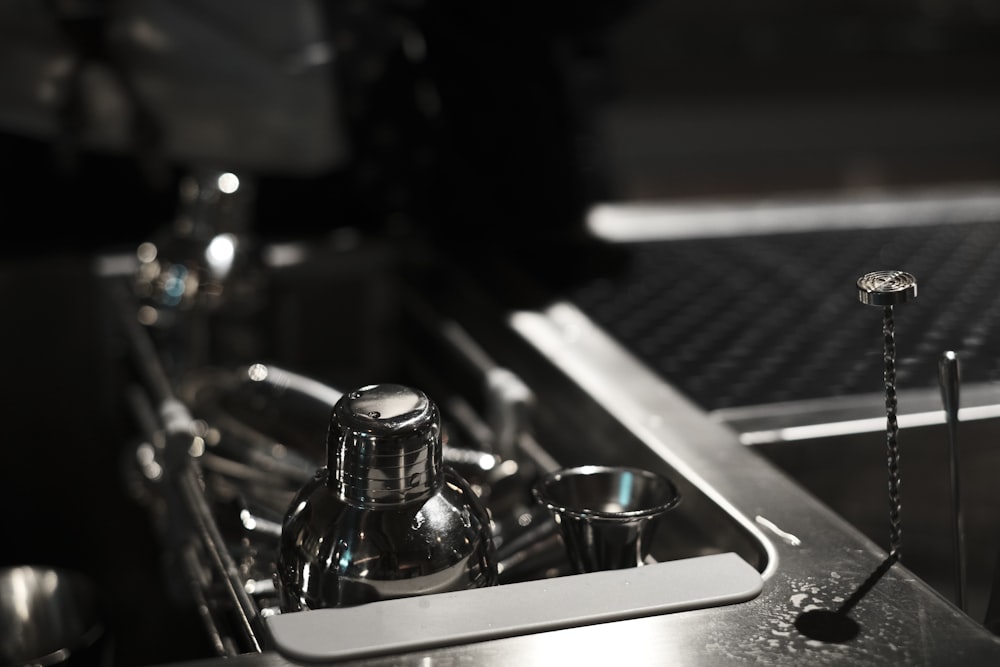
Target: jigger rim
<point x="541" y="492"/>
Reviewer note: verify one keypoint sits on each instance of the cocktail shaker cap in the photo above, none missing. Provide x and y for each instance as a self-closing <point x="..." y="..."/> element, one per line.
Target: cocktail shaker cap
<point x="384" y="446"/>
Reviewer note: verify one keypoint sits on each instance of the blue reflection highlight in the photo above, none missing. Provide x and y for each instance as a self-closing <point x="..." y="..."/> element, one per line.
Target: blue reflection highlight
<point x="625" y="490"/>
<point x="174" y="285"/>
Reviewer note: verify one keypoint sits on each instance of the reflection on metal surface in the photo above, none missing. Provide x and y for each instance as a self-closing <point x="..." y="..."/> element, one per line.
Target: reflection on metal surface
<point x="785" y="537"/>
<point x="51" y="616"/>
<point x="660" y="221"/>
<point x="867" y="425"/>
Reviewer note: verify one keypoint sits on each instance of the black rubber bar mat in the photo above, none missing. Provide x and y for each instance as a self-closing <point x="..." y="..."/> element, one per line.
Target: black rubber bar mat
<point x="760" y="319"/>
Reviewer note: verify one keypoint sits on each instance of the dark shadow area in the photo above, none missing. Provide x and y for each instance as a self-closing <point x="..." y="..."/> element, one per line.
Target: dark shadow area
<point x="63" y="460"/>
<point x="835" y="626"/>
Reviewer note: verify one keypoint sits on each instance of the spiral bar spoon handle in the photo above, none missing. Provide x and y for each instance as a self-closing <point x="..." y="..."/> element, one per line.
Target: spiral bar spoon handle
<point x="892" y="431"/>
<point x="886" y="289"/>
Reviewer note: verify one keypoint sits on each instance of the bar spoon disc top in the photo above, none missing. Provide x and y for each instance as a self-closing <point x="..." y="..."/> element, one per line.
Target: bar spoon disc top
<point x="886" y="288"/>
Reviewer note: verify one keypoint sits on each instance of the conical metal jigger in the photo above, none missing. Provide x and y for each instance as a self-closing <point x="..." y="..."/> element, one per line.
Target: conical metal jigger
<point x="607" y="515"/>
<point x="886" y="289"/>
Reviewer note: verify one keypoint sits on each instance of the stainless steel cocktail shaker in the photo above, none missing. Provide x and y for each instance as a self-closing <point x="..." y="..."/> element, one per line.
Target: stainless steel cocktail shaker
<point x="384" y="518"/>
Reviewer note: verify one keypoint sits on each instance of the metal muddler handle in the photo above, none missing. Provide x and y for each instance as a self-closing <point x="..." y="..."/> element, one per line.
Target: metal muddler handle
<point x="886" y="289"/>
<point x="948" y="374"/>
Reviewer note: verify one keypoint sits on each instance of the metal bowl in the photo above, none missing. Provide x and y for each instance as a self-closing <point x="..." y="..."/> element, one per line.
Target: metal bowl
<point x="49" y="616"/>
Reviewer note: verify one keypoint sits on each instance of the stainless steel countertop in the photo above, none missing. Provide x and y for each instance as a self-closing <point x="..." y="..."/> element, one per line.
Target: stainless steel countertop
<point x="815" y="560"/>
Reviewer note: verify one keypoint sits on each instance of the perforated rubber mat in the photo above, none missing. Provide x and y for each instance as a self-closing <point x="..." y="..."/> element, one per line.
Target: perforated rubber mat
<point x="760" y="319"/>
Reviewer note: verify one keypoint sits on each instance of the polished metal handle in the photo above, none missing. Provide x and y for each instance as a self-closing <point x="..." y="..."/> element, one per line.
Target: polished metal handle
<point x="948" y="374"/>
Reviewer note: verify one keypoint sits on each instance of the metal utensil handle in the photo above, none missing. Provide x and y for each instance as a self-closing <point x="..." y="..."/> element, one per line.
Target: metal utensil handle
<point x="886" y="289"/>
<point x="948" y="372"/>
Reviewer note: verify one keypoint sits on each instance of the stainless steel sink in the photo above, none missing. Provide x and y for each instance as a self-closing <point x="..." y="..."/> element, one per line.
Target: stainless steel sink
<point x="836" y="450"/>
<point x="584" y="398"/>
<point x="243" y="446"/>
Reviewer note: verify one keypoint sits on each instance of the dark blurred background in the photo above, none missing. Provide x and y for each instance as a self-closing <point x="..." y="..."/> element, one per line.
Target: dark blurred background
<point x="450" y="120"/>
<point x="435" y="113"/>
